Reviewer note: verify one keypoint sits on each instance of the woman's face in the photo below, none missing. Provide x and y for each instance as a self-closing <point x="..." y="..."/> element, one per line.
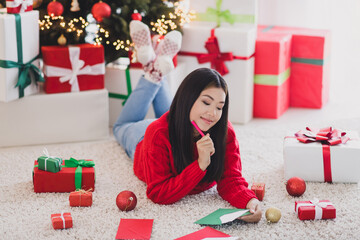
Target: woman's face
<point x="207" y="109"/>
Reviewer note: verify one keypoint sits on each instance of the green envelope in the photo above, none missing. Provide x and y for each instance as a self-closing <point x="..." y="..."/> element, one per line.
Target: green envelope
<point x="223" y="215"/>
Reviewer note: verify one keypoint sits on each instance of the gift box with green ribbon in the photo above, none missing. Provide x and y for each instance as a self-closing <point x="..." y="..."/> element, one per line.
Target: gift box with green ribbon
<point x="310" y="65"/>
<point x="272" y="74"/>
<point x="225" y="11"/>
<point x="19" y="50"/>
<point x="49" y="163"/>
<point x="75" y="175"/>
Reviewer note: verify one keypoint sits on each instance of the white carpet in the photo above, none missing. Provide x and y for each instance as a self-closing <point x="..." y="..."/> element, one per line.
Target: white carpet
<point x="25" y="214"/>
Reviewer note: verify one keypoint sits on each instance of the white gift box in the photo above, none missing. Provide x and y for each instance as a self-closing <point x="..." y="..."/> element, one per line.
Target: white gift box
<point x="305" y="160"/>
<point x="116" y="84"/>
<point x="240" y="41"/>
<point x="55" y="118"/>
<point x="244" y="11"/>
<point x="8" y="51"/>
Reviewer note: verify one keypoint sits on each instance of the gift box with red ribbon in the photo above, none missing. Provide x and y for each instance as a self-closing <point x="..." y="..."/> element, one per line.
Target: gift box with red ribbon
<point x="19" y="6"/>
<point x="75" y="175"/>
<point x="259" y="190"/>
<point x="322" y="155"/>
<point x="310" y="65"/>
<point x="315" y="209"/>
<point x="272" y="73"/>
<point x="61" y="220"/>
<point x="73" y="68"/>
<point x="80" y="198"/>
<point x="230" y="51"/>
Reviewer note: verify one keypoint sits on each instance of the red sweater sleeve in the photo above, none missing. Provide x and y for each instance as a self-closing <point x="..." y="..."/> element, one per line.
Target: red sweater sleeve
<point x="163" y="185"/>
<point x="232" y="187"/>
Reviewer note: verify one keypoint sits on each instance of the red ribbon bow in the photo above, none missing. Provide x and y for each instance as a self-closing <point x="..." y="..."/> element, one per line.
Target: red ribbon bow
<point x="327" y="137"/>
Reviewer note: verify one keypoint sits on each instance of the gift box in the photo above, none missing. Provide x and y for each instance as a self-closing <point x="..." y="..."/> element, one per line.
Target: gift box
<point x="80" y="198"/>
<point x="229" y="50"/>
<point x="19" y="6"/>
<point x="272" y="73"/>
<point x="325" y="155"/>
<point x="19" y="49"/>
<point x="231" y="11"/>
<point x="44" y="118"/>
<point x="315" y="210"/>
<point x="259" y="190"/>
<point x="121" y="80"/>
<point x="49" y="163"/>
<point x="61" y="220"/>
<point x="73" y="68"/>
<point x="76" y="174"/>
<point x="310" y="65"/>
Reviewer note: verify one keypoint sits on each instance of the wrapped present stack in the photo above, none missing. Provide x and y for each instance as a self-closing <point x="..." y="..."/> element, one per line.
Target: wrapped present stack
<point x="73" y="113"/>
<point x="222" y="37"/>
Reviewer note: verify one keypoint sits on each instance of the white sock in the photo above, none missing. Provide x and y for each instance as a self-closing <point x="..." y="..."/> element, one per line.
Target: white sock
<point x="167" y="49"/>
<point x="140" y="35"/>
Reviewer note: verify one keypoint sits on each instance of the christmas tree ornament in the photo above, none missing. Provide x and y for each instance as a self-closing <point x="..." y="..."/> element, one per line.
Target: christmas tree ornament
<point x="37" y="3"/>
<point x="55" y="8"/>
<point x="126" y="200"/>
<point x="295" y="186"/>
<point x="101" y="10"/>
<point x="273" y="215"/>
<point x="136" y="16"/>
<point x="75" y="6"/>
<point x="62" y="40"/>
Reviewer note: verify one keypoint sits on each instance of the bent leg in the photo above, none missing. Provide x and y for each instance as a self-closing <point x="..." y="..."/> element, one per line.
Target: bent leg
<point x="163" y="99"/>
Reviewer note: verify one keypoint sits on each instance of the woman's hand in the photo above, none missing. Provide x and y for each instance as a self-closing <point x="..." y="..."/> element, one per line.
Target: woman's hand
<point x="255" y="209"/>
<point x="205" y="147"/>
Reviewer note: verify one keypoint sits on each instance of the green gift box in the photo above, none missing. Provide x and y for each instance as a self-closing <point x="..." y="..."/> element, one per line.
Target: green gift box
<point x="50" y="164"/>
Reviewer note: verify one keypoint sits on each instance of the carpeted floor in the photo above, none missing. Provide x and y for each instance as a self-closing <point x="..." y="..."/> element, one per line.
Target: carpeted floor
<point x="25" y="214"/>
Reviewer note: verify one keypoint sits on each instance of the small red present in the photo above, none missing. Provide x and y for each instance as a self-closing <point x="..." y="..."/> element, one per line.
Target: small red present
<point x="259" y="190"/>
<point x="61" y="220"/>
<point x="315" y="209"/>
<point x="19" y="6"/>
<point x="75" y="174"/>
<point x="73" y="68"/>
<point x="80" y="198"/>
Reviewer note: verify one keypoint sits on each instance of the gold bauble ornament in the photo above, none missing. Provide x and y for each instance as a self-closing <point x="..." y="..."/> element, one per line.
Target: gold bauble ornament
<point x="37" y="3"/>
<point x="62" y="40"/>
<point x="273" y="215"/>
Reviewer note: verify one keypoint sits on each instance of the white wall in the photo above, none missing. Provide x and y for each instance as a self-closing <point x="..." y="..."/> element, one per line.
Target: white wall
<point x="342" y="17"/>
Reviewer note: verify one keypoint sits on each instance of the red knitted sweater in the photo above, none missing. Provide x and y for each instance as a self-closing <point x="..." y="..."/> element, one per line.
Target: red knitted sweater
<point x="154" y="164"/>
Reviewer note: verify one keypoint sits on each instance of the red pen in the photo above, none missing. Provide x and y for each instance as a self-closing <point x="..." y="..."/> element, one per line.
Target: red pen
<point x="197" y="128"/>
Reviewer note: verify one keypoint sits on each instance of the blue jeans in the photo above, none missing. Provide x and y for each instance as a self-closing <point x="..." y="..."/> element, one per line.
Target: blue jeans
<point x="131" y="124"/>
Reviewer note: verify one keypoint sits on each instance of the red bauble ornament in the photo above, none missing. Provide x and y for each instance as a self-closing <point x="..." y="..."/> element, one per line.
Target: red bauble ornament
<point x="136" y="16"/>
<point x="101" y="10"/>
<point x="126" y="201"/>
<point x="55" y="9"/>
<point x="295" y="186"/>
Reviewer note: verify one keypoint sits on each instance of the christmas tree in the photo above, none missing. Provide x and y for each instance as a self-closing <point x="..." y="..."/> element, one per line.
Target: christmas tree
<point x="106" y="22"/>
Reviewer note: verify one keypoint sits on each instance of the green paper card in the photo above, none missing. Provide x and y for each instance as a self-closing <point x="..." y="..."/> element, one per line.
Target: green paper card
<point x="223" y="215"/>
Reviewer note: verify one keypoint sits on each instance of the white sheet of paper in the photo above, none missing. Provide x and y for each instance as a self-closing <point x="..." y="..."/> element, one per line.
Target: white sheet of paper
<point x="232" y="216"/>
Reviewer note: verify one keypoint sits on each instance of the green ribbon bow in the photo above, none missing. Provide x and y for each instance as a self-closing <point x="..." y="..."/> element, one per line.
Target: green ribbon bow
<point x="79" y="164"/>
<point x="129" y="89"/>
<point x="26" y="70"/>
<point x="225" y="16"/>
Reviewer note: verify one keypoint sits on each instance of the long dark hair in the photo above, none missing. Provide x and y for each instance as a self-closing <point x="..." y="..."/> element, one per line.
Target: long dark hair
<point x="180" y="128"/>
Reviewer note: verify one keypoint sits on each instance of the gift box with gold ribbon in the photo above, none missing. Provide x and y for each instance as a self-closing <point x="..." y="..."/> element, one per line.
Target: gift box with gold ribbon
<point x="75" y="175"/>
<point x="80" y="198"/>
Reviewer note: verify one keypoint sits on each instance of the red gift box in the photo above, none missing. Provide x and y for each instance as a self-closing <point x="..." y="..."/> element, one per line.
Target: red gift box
<point x="259" y="190"/>
<point x="315" y="209"/>
<point x="65" y="180"/>
<point x="272" y="73"/>
<point x="80" y="198"/>
<point x="310" y="65"/>
<point x="73" y="68"/>
<point x="19" y="6"/>
<point x="61" y="220"/>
